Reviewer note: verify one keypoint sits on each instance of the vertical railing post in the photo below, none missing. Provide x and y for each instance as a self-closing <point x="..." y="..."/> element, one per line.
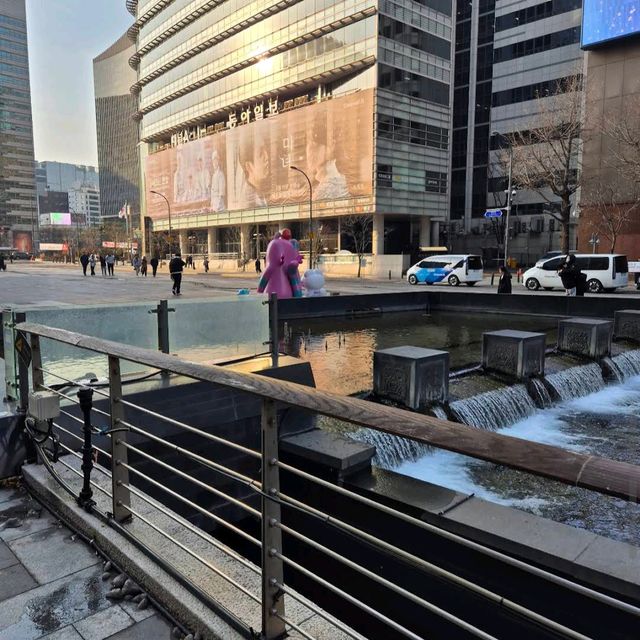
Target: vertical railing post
<point x="85" y="396"/>
<point x="37" y="375"/>
<point x="272" y="574"/>
<point x="163" y="326"/>
<point x="274" y="338"/>
<point x="119" y="454"/>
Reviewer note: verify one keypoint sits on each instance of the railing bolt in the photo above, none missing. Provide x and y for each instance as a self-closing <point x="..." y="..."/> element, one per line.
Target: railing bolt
<point x="273" y="582"/>
<point x="273" y="611"/>
<point x="273" y="492"/>
<point x="273" y="461"/>
<point x="273" y="522"/>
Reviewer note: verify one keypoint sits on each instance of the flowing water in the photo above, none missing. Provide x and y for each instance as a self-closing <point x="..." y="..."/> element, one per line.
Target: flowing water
<point x="576" y="382"/>
<point x="590" y="416"/>
<point x="494" y="409"/>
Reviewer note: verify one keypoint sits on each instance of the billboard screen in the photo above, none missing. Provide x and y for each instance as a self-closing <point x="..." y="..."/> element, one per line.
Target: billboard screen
<point x="248" y="167"/>
<point x="604" y="20"/>
<point x="57" y="219"/>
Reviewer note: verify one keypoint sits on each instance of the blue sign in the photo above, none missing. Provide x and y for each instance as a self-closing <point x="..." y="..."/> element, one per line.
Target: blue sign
<point x="493" y="213"/>
<point x="604" y="20"/>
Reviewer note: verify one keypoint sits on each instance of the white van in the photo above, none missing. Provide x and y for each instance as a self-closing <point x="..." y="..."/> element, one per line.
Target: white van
<point x="449" y="268"/>
<point x="605" y="272"/>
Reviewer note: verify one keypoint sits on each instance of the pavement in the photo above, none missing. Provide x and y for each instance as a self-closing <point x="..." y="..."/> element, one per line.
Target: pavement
<point x="50" y="582"/>
<point x="45" y="283"/>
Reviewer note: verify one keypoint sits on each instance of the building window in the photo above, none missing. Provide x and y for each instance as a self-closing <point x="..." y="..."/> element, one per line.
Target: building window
<point x="531" y="91"/>
<point x="412" y="37"/>
<point x="529" y="47"/>
<point x="413" y="85"/>
<point x="435" y="182"/>
<point x="384" y="176"/>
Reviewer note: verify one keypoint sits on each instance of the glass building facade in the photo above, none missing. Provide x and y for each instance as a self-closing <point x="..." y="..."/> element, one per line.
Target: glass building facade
<point x="356" y="93"/>
<point x="117" y="131"/>
<point x="18" y="203"/>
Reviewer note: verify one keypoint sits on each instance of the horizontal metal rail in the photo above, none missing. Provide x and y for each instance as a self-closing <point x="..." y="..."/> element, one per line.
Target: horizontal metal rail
<point x="72" y="399"/>
<point x="609" y="477"/>
<point x="93" y="484"/>
<point x="470" y="544"/>
<point x="163" y="418"/>
<point x="433" y="569"/>
<point x="77" y="437"/>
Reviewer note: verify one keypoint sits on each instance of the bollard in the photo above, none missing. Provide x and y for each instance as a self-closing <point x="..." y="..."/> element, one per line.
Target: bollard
<point x="389" y="274"/>
<point x="85" y="396"/>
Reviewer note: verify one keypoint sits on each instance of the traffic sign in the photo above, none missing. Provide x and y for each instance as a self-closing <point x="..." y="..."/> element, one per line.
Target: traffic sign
<point x="493" y="213"/>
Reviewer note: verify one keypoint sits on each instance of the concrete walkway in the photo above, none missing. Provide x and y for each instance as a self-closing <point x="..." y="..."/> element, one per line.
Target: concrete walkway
<point x="51" y="586"/>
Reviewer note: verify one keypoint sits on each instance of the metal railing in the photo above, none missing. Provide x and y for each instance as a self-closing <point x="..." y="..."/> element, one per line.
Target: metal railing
<point x="275" y="559"/>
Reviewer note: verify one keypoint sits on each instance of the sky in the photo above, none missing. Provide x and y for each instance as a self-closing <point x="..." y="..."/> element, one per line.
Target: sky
<point x="64" y="37"/>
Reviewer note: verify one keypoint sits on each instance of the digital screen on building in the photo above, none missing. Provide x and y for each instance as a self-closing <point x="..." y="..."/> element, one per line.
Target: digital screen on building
<point x="249" y="166"/>
<point x="61" y="219"/>
<point x="605" y="20"/>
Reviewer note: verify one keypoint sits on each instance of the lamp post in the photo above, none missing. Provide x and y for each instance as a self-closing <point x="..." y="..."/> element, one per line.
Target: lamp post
<point x="510" y="193"/>
<point x="310" y="214"/>
<point x="157" y="193"/>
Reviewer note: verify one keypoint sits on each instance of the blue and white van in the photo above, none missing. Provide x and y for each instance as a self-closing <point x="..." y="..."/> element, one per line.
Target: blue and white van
<point x="453" y="269"/>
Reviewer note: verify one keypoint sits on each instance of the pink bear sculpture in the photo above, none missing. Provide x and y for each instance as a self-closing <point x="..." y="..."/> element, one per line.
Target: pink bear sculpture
<point x="281" y="274"/>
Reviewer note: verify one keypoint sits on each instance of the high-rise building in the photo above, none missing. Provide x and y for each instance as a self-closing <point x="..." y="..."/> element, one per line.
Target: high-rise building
<point x="18" y="203"/>
<point x="241" y="104"/>
<point x="118" y="157"/>
<point x="508" y="56"/>
<point x="84" y="201"/>
<point x="62" y="176"/>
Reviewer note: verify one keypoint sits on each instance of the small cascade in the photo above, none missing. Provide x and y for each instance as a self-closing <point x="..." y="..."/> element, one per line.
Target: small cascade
<point x="495" y="409"/>
<point x="391" y="451"/>
<point x="626" y="365"/>
<point x="540" y="393"/>
<point x="439" y="412"/>
<point x="576" y="382"/>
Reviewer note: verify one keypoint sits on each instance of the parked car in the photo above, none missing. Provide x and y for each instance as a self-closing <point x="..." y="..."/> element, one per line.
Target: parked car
<point x="21" y="255"/>
<point x="546" y="256"/>
<point x="605" y="272"/>
<point x="449" y="268"/>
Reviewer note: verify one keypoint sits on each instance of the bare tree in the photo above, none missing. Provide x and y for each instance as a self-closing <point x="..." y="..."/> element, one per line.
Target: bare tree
<point x="547" y="157"/>
<point x="624" y="132"/>
<point x="358" y="228"/>
<point x="610" y="210"/>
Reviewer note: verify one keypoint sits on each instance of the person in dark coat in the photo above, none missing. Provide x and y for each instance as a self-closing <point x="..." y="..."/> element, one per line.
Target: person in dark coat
<point x="154" y="265"/>
<point x="175" y="269"/>
<point x="143" y="266"/>
<point x="84" y="261"/>
<point x="103" y="265"/>
<point x="504" y="284"/>
<point x="568" y="273"/>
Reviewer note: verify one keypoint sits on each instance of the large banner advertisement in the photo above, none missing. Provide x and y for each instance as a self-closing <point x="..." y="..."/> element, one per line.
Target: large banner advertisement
<point x="604" y="20"/>
<point x="249" y="166"/>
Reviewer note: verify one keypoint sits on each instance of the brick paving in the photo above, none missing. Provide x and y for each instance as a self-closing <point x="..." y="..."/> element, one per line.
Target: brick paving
<point x="51" y="586"/>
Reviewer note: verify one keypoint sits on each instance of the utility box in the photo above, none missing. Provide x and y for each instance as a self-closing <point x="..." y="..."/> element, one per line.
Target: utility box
<point x="412" y="376"/>
<point x="44" y="405"/>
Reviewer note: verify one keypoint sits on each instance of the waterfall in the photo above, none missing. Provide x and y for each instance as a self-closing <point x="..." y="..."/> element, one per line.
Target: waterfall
<point x="540" y="393"/>
<point x="576" y="382"/>
<point x="626" y="365"/>
<point x="439" y="412"/>
<point x="391" y="450"/>
<point x="495" y="409"/>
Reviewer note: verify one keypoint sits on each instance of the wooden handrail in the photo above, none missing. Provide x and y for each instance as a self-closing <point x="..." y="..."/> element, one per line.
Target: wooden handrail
<point x="610" y="477"/>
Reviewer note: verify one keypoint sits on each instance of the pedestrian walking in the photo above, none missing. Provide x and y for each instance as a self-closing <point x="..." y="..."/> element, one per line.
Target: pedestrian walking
<point x="143" y="266"/>
<point x="258" y="266"/>
<point x="103" y="264"/>
<point x="154" y="265"/>
<point x="84" y="261"/>
<point x="568" y="273"/>
<point x="3" y="264"/>
<point x="136" y="264"/>
<point x="206" y="265"/>
<point x="504" y="284"/>
<point x="175" y="270"/>
<point x="92" y="264"/>
<point x="111" y="261"/>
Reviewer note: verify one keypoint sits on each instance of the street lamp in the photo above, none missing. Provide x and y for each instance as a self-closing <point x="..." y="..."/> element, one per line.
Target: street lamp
<point x="510" y="193"/>
<point x="310" y="214"/>
<point x="157" y="193"/>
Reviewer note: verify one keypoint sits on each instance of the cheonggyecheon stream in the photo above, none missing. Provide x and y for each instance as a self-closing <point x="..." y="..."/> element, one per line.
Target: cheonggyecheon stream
<point x="591" y="416"/>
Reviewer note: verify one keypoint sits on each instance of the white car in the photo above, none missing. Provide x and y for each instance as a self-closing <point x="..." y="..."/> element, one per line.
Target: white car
<point x="447" y="268"/>
<point x="605" y="272"/>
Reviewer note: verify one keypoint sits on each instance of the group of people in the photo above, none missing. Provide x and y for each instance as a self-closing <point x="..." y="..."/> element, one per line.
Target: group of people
<point x="108" y="263"/>
<point x="573" y="280"/>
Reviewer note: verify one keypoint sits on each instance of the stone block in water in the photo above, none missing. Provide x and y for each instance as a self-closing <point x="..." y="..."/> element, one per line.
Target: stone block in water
<point x="412" y="376"/>
<point x="519" y="354"/>
<point x="585" y="337"/>
<point x="626" y="325"/>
